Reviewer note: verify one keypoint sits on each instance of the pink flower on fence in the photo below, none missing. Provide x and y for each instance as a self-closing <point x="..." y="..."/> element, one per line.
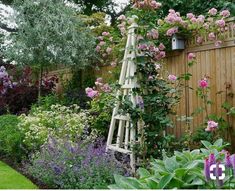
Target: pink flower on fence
<point x="98" y="48"/>
<point x="220" y="23"/>
<point x="161" y="46"/>
<point x="172" y="77"/>
<point x="109" y="50"/>
<point x="212" y="11"/>
<point x="153" y="34"/>
<point x="191" y="56"/>
<point x="172" y="31"/>
<point x="121" y="18"/>
<point x="211" y="36"/>
<point x="102" y="43"/>
<point x="190" y="15"/>
<point x="203" y="83"/>
<point x="218" y="43"/>
<point x="211" y="126"/>
<point x="200" y="40"/>
<point x="105" y="33"/>
<point x="225" y="13"/>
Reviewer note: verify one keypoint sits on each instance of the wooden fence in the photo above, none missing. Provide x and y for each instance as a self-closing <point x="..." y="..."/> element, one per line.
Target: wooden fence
<point x="218" y="63"/>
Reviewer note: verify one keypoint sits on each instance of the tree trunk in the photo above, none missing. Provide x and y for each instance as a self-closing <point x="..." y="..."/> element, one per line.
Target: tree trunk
<point x="40" y="84"/>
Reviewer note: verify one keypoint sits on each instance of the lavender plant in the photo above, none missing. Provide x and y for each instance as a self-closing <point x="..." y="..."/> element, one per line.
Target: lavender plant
<point x="67" y="165"/>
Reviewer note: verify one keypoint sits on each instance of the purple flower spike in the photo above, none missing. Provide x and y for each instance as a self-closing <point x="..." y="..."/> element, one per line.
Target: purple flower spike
<point x="219" y="174"/>
<point x="228" y="162"/>
<point x="207" y="169"/>
<point x="212" y="159"/>
<point x="232" y="159"/>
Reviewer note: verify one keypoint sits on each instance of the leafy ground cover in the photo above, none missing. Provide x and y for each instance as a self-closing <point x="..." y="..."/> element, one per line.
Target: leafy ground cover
<point x="11" y="179"/>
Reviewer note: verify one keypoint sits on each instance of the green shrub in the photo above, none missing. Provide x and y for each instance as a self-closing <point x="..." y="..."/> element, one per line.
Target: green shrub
<point x="11" y="138"/>
<point x="58" y="121"/>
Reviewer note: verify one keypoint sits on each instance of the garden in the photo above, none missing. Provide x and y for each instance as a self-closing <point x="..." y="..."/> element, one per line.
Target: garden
<point x="117" y="94"/>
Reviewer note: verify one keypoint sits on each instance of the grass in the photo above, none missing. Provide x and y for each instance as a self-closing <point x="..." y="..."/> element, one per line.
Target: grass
<point x="11" y="179"/>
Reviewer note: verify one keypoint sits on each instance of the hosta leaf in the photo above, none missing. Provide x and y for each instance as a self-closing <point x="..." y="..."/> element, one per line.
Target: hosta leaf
<point x="218" y="143"/>
<point x="143" y="172"/>
<point x="206" y="144"/>
<point x="165" y="181"/>
<point x="171" y="164"/>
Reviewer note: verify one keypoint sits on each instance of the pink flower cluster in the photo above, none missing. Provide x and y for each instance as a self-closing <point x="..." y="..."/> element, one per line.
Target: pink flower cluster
<point x="203" y="83"/>
<point x="172" y="77"/>
<point x="5" y="80"/>
<point x="191" y="56"/>
<point x="156" y="53"/>
<point x="174" y="17"/>
<point x="93" y="92"/>
<point x="172" y="31"/>
<point x="147" y="4"/>
<point x="153" y="34"/>
<point x="211" y="126"/>
<point x="101" y="47"/>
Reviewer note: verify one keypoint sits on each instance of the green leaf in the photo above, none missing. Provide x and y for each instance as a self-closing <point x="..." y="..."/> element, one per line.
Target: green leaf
<point x="171" y="164"/>
<point x="165" y="181"/>
<point x="218" y="143"/>
<point x="206" y="144"/>
<point x="127" y="183"/>
<point x="152" y="183"/>
<point x="143" y="172"/>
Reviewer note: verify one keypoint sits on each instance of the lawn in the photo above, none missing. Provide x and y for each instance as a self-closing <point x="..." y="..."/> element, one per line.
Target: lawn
<point x="11" y="179"/>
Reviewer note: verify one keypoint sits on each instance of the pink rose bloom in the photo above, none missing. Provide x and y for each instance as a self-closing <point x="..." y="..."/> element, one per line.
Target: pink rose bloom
<point x="121" y="18"/>
<point x="143" y="47"/>
<point x="191" y="56"/>
<point x="225" y="13"/>
<point x="155" y="5"/>
<point x="203" y="83"/>
<point x="162" y="54"/>
<point x="92" y="94"/>
<point x="113" y="64"/>
<point x="172" y="11"/>
<point x="212" y="11"/>
<point x="105" y="34"/>
<point x="102" y="43"/>
<point x="199" y="40"/>
<point x="206" y="26"/>
<point x="100" y="38"/>
<point x="161" y="46"/>
<point x="109" y="50"/>
<point x="100" y="80"/>
<point x="111" y="39"/>
<point x="98" y="48"/>
<point x="172" y="77"/>
<point x="190" y="15"/>
<point x="193" y="20"/>
<point x="218" y="43"/>
<point x="172" y="31"/>
<point x="220" y="23"/>
<point x="200" y="19"/>
<point x="106" y="88"/>
<point x="150" y="77"/>
<point x="211" y="36"/>
<point x="211" y="125"/>
<point x="157" y="66"/>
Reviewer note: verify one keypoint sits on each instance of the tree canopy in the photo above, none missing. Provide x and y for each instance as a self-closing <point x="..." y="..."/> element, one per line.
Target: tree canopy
<point x="49" y="32"/>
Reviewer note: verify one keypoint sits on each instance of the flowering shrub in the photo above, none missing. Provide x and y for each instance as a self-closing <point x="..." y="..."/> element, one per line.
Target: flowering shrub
<point x="65" y="165"/>
<point x="19" y="92"/>
<point x="60" y="121"/>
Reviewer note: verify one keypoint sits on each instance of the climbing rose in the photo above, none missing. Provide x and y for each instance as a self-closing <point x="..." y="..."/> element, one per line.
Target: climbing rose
<point x="172" y="77"/>
<point x="150" y="77"/>
<point x="121" y="18"/>
<point x="220" y="23"/>
<point x="211" y="125"/>
<point x="190" y="15"/>
<point x="225" y="13"/>
<point x="172" y="31"/>
<point x="203" y="83"/>
<point x="200" y="19"/>
<point x="109" y="50"/>
<point x="211" y="36"/>
<point x="161" y="46"/>
<point x="191" y="56"/>
<point x="218" y="43"/>
<point x="105" y="33"/>
<point x="98" y="48"/>
<point x="199" y="40"/>
<point x="102" y="43"/>
<point x="153" y="34"/>
<point x="212" y="11"/>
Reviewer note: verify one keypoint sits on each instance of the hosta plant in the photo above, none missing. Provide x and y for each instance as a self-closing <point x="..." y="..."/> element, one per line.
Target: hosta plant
<point x="182" y="170"/>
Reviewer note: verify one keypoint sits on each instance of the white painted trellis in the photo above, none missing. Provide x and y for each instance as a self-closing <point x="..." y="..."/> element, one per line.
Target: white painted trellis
<point x="126" y="134"/>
